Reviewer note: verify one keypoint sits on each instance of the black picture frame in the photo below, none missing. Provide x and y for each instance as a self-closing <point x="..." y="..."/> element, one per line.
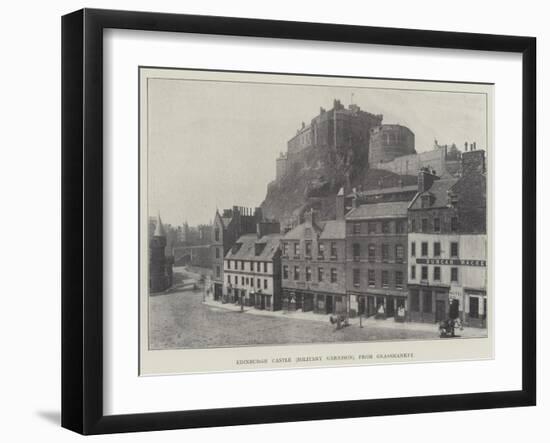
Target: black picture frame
<point x="82" y="220"/>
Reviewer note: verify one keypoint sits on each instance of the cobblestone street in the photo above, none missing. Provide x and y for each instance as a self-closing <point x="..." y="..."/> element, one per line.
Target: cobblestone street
<point x="181" y="319"/>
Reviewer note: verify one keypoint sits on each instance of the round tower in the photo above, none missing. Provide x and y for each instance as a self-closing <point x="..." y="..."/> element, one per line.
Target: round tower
<point x="388" y="142"/>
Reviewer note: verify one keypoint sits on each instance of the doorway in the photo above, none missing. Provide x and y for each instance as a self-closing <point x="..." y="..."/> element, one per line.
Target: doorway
<point x="440" y="310"/>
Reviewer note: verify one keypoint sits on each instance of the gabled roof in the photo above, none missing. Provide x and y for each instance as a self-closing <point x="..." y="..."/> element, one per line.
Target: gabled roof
<point x="247" y="249"/>
<point x="298" y="232"/>
<point x="378" y="211"/>
<point x="334" y="230"/>
<point x="438" y="193"/>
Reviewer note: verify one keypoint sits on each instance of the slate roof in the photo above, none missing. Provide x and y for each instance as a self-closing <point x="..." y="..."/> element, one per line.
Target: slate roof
<point x="438" y="193"/>
<point x="334" y="230"/>
<point x="298" y="232"/>
<point x="247" y="251"/>
<point x="378" y="210"/>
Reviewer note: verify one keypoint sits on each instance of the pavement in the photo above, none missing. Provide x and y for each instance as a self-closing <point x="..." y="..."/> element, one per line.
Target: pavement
<point x="388" y="323"/>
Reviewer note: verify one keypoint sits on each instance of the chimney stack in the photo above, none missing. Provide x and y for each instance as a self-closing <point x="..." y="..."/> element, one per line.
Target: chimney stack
<point x="426" y="178"/>
<point x="340" y="206"/>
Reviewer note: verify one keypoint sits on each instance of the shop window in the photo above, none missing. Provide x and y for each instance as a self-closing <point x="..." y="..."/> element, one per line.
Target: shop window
<point x="414" y="300"/>
<point x="474" y="307"/>
<point x="427" y="302"/>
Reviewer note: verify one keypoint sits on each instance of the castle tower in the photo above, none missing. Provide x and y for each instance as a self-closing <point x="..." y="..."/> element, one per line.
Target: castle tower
<point x="158" y="278"/>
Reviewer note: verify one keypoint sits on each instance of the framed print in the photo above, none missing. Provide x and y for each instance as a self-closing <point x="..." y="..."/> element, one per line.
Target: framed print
<point x="306" y="210"/>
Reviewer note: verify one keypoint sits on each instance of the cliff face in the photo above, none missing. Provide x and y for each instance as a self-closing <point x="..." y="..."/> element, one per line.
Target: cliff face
<point x="314" y="177"/>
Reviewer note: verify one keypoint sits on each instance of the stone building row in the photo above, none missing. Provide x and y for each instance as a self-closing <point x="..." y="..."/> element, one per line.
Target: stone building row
<point x="408" y="254"/>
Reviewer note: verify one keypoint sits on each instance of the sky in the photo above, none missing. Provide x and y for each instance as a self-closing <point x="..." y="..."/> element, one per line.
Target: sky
<point x="214" y="144"/>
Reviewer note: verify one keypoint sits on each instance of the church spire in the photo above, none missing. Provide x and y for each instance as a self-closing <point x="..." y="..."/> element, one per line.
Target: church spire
<point x="159" y="228"/>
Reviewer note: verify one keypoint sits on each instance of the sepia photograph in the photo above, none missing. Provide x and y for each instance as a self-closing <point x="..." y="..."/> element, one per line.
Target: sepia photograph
<point x="293" y="220"/>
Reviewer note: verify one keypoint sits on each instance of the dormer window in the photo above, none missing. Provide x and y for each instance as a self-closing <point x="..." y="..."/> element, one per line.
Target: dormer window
<point x="452" y="198"/>
<point x="258" y="248"/>
<point x="425" y="201"/>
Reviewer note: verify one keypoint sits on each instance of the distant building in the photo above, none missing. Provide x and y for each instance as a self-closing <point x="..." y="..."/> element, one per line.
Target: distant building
<point x="227" y="228"/>
<point x="160" y="266"/>
<point x="252" y="271"/>
<point x="448" y="247"/>
<point x="388" y="142"/>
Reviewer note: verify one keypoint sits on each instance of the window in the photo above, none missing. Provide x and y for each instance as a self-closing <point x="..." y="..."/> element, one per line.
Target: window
<point x="413" y="225"/>
<point x="333" y="251"/>
<point x="248" y="281"/>
<point x="357" y="228"/>
<point x="372" y="227"/>
<point x="333" y="275"/>
<point x="229" y="279"/>
<point x="427" y="302"/>
<point x="437" y="273"/>
<point x="308" y="273"/>
<point x="454" y="249"/>
<point x="285" y="249"/>
<point x="400" y="227"/>
<point x="252" y="266"/>
<point x="258" y="267"/>
<point x="217" y="252"/>
<point x="437" y="225"/>
<point x="415" y="300"/>
<point x="424" y="271"/>
<point x="242" y="265"/>
<point x="413" y="249"/>
<point x="372" y="252"/>
<point x="228" y="264"/>
<point x="386" y="227"/>
<point x="218" y="271"/>
<point x="320" y="274"/>
<point x="296" y="273"/>
<point x="454" y="275"/>
<point x="217" y="234"/>
<point x="454" y="224"/>
<point x="385" y="252"/>
<point x="308" y="248"/>
<point x="356" y="277"/>
<point x="356" y="251"/>
<point x="424" y="247"/>
<point x="474" y="307"/>
<point x="372" y="278"/>
<point x="297" y="248"/>
<point x="258" y="283"/>
<point x="285" y="272"/>
<point x="265" y="284"/>
<point x="425" y="201"/>
<point x="399" y="279"/>
<point x="437" y="249"/>
<point x="321" y="250"/>
<point x="236" y="280"/>
<point x="424" y="225"/>
<point x="413" y="272"/>
<point x="265" y="266"/>
<point x="308" y="232"/>
<point x="242" y="281"/>
<point x="385" y="279"/>
<point x="399" y="253"/>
